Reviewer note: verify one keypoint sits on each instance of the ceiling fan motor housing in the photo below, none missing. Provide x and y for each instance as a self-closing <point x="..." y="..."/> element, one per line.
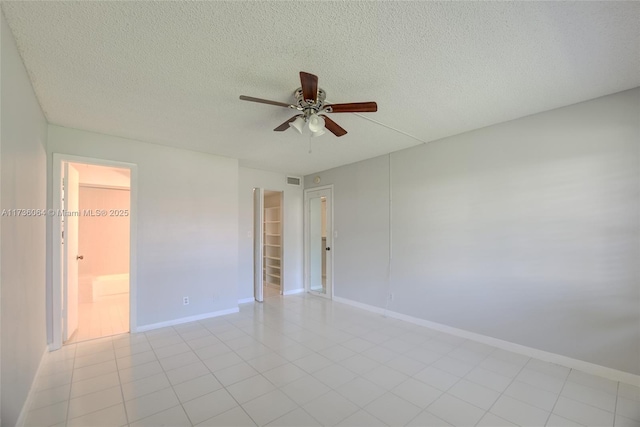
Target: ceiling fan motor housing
<point x="309" y="106"/>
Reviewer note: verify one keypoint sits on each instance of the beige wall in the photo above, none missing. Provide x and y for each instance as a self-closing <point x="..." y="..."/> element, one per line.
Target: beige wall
<point x="103" y="240"/>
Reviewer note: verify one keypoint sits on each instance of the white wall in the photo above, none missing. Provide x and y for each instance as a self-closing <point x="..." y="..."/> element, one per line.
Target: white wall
<point x="187" y="222"/>
<point x="527" y="231"/>
<point x="291" y="234"/>
<point x="22" y="252"/>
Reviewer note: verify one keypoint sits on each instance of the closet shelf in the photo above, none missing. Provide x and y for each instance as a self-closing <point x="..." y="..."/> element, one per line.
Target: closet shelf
<point x="272" y="233"/>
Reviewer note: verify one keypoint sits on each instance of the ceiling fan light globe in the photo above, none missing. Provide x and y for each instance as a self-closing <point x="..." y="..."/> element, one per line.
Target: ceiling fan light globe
<point x="316" y="123"/>
<point x="318" y="133"/>
<point x="298" y="124"/>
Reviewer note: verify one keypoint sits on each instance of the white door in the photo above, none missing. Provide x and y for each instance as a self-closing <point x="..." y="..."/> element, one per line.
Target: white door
<point x="319" y="232"/>
<point x="70" y="251"/>
<point x="258" y="243"/>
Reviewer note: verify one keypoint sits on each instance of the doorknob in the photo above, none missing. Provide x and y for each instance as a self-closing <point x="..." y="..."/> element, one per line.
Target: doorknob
<point x="80" y="257"/>
<point x="328" y="249"/>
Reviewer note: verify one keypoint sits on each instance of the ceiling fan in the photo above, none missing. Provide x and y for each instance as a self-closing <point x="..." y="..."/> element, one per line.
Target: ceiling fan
<point x="310" y="103"/>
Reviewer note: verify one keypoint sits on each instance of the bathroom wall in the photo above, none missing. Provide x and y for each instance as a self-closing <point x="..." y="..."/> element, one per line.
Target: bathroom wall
<point x="103" y="240"/>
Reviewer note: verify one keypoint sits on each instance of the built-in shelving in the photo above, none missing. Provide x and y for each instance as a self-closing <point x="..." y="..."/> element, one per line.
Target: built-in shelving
<point x="272" y="246"/>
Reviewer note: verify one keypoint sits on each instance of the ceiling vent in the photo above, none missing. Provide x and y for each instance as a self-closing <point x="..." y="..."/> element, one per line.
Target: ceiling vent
<point x="293" y="180"/>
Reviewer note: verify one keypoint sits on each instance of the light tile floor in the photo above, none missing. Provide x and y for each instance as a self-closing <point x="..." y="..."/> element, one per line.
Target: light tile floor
<point x="108" y="315"/>
<point x="303" y="360"/>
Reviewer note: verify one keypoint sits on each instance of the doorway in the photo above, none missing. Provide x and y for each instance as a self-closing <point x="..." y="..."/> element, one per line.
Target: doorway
<point x="268" y="243"/>
<point x="94" y="249"/>
<point x="318" y="241"/>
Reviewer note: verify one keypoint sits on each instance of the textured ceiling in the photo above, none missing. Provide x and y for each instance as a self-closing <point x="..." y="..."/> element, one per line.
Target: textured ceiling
<point x="171" y="72"/>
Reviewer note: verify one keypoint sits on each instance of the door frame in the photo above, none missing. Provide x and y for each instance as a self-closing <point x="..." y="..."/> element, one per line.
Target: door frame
<point x="56" y="239"/>
<point x="65" y="250"/>
<point x="258" y="243"/>
<point x="307" y="248"/>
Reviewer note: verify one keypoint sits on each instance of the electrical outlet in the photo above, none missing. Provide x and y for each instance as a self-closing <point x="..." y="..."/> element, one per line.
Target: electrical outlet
<point x="185" y="301"/>
<point x="391" y="296"/>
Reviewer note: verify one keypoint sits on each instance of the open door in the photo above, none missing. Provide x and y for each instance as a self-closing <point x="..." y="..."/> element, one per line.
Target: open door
<point x="319" y="237"/>
<point x="70" y="256"/>
<point x="258" y="243"/>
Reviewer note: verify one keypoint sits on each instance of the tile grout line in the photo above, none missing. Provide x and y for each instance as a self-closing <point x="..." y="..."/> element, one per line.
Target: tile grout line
<point x="591" y="388"/>
<point x="615" y="407"/>
<point x="170" y="384"/>
<point x="124" y="406"/>
<point x="460" y="378"/>
<point x="146" y="394"/>
<point x="299" y="406"/>
<point x="502" y="393"/>
<point x="90" y="378"/>
<point x="223" y="386"/>
<point x="73" y="370"/>
<point x="442" y="356"/>
<point x="117" y="372"/>
<point x="558" y="398"/>
<point x="37" y="380"/>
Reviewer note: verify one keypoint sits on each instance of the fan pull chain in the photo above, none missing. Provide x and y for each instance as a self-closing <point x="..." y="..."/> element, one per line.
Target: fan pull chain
<point x="309" y="144"/>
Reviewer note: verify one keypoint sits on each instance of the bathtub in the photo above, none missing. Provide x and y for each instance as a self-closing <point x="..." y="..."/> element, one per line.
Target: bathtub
<point x="112" y="284"/>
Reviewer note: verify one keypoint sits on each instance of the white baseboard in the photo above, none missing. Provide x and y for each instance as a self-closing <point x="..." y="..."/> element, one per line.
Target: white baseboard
<point x="246" y="300"/>
<point x="293" y="291"/>
<point x="22" y="418"/>
<point x="357" y="304"/>
<point x="182" y="320"/>
<point x="569" y="362"/>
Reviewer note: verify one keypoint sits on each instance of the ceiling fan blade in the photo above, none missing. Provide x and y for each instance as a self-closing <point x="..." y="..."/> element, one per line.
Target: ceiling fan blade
<point x="354" y="107"/>
<point x="309" y="86"/>
<point x="266" y="101"/>
<point x="333" y="127"/>
<point x="285" y="125"/>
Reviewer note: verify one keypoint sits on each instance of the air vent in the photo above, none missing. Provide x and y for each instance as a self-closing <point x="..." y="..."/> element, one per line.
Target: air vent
<point x="293" y="180"/>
